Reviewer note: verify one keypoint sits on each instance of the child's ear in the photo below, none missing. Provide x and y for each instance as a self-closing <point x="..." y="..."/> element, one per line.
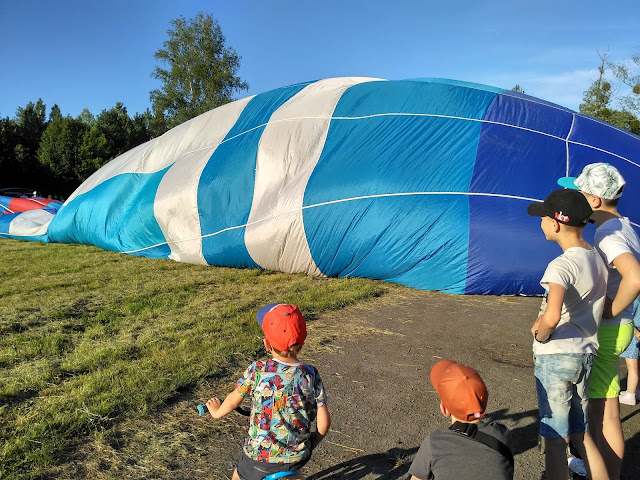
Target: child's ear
<point x="267" y="345"/>
<point x="444" y="410"/>
<point x="556" y="225"/>
<point x="595" y="202"/>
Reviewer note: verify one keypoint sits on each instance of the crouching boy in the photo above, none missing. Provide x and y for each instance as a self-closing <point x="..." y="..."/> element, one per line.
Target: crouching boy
<point x="470" y="447"/>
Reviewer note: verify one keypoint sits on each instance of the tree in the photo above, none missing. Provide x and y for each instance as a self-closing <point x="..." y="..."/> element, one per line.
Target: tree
<point x="93" y="152"/>
<point x="59" y="150"/>
<point x="8" y="143"/>
<point x="116" y="126"/>
<point x="596" y="102"/>
<point x="518" y="89"/>
<point x="597" y="97"/>
<point x="87" y="117"/>
<point x="623" y="119"/>
<point x="629" y="74"/>
<point x="140" y="128"/>
<point x="30" y="122"/>
<point x="200" y="71"/>
<point x="157" y="122"/>
<point x="55" y="114"/>
<point x="120" y="131"/>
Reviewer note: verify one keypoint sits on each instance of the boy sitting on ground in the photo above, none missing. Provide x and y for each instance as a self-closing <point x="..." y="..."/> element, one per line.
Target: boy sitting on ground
<point x="470" y="448"/>
<point x="286" y="397"/>
<point x="565" y="335"/>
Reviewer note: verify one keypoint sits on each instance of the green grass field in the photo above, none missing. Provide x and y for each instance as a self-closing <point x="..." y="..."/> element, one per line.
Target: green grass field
<point x="90" y="338"/>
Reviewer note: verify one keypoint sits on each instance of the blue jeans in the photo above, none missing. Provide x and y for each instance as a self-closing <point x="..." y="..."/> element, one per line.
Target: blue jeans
<point x="562" y="385"/>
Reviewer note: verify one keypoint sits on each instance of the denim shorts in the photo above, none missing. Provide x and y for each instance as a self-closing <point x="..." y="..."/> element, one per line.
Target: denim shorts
<point x="562" y="385"/>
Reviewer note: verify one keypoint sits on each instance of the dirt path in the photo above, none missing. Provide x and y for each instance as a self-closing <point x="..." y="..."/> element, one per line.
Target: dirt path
<point x="381" y="399"/>
<point x="375" y="362"/>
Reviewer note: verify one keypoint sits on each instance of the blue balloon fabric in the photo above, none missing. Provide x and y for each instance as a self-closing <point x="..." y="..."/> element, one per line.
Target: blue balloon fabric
<point x="422" y="182"/>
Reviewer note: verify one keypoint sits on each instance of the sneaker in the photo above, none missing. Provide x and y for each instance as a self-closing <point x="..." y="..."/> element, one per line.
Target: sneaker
<point x="576" y="465"/>
<point x="628" y="398"/>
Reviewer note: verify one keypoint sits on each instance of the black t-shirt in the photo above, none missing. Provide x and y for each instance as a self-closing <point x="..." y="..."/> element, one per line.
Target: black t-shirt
<point x="446" y="454"/>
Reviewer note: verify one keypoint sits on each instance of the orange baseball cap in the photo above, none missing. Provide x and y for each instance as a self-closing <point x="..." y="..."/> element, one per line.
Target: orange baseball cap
<point x="460" y="389"/>
<point x="283" y="325"/>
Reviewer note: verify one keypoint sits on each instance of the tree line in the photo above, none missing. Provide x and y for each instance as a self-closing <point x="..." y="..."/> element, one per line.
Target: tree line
<point x="54" y="154"/>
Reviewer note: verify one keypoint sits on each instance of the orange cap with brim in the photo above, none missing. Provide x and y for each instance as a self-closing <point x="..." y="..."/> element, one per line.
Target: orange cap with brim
<point x="460" y="388"/>
<point x="283" y="325"/>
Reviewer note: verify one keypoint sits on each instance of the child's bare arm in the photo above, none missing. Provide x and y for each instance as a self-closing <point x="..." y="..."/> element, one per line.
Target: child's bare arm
<point x="323" y="420"/>
<point x="219" y="409"/>
<point x="323" y="424"/>
<point x="547" y="322"/>
<point x="629" y="268"/>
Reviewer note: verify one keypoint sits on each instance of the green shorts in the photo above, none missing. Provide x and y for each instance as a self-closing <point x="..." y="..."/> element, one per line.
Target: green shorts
<point x="613" y="340"/>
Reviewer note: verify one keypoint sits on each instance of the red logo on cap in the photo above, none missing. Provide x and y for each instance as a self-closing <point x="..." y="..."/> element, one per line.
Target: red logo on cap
<point x="561" y="218"/>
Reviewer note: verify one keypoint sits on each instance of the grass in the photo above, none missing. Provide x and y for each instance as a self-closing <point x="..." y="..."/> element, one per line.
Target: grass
<point x="89" y="339"/>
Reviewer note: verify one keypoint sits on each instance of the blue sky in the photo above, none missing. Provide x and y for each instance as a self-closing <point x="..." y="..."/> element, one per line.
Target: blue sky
<point x="82" y="54"/>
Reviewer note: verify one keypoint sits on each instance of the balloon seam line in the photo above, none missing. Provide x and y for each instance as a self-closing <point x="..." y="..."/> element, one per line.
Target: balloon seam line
<point x="573" y="120"/>
<point x="289" y="212"/>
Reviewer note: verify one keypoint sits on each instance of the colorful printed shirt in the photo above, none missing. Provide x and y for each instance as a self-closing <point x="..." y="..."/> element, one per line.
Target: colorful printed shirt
<point x="284" y="401"/>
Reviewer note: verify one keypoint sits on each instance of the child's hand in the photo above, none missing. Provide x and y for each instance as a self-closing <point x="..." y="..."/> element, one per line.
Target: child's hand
<point x="636" y="333"/>
<point x="213" y="404"/>
<point x="535" y="326"/>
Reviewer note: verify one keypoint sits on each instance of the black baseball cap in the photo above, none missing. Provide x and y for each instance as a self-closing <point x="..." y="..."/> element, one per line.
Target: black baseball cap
<point x="565" y="205"/>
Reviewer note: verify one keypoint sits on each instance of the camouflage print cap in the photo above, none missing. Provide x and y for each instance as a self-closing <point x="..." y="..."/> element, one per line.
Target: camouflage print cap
<point x="599" y="179"/>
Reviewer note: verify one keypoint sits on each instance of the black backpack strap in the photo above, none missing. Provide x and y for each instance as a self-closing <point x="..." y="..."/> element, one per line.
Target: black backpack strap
<point x="470" y="430"/>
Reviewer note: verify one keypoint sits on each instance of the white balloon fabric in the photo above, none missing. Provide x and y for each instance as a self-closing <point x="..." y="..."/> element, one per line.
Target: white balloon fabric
<point x="423" y="182"/>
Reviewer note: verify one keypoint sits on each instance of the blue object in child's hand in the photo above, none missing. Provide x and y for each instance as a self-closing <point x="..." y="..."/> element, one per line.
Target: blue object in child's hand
<point x="202" y="410"/>
<point x="280" y="475"/>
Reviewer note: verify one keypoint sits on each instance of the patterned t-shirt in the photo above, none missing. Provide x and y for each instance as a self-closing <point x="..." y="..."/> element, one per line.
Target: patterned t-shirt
<point x="284" y="401"/>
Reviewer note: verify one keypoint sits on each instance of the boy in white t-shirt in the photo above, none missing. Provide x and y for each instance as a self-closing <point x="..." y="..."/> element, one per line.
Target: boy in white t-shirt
<point x="566" y="333"/>
<point x="619" y="246"/>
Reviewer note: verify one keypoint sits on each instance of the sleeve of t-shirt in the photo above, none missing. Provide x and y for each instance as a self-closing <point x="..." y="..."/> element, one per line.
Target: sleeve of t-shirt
<point x="318" y="390"/>
<point x="503" y="434"/>
<point x="610" y="245"/>
<point x="558" y="271"/>
<point x="421" y="465"/>
<point x="244" y="385"/>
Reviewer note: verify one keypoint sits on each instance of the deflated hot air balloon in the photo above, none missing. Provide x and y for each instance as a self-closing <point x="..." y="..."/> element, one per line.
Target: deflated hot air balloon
<point x="422" y="182"/>
<point x="9" y="205"/>
<point x="27" y="217"/>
